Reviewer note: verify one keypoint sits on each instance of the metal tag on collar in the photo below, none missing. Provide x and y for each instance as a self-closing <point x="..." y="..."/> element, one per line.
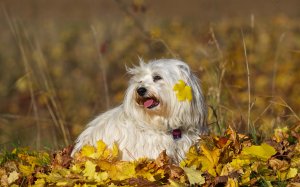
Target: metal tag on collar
<point x="176" y="134"/>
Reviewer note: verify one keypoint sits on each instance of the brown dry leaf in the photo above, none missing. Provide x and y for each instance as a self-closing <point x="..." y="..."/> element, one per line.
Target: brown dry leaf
<point x="176" y="172"/>
<point x="162" y="159"/>
<point x="139" y="181"/>
<point x="4" y="180"/>
<point x="279" y="165"/>
<point x="62" y="158"/>
<point x="221" y="142"/>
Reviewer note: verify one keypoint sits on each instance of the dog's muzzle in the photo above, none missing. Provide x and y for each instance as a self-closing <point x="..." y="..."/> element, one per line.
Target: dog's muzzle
<point x="145" y="100"/>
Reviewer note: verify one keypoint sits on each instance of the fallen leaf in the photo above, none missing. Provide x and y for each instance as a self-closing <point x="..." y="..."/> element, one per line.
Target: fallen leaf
<point x="88" y="151"/>
<point x="277" y="164"/>
<point x="175" y="184"/>
<point x="13" y="176"/>
<point x="39" y="183"/>
<point x="292" y="173"/>
<point x="232" y="183"/>
<point x="264" y="151"/>
<point x="209" y="160"/>
<point x="26" y="170"/>
<point x="90" y="169"/>
<point x="194" y="176"/>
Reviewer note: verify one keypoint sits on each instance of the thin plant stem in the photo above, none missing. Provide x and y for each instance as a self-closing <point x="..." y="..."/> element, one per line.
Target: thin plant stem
<point x="248" y="81"/>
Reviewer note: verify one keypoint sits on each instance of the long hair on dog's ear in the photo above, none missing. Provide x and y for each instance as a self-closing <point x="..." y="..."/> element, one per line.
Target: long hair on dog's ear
<point x="194" y="112"/>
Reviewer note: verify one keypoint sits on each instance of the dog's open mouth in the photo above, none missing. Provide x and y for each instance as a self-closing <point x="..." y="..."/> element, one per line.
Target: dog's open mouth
<point x="149" y="102"/>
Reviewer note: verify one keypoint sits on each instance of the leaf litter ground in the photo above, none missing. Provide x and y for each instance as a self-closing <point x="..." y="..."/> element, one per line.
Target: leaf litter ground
<point x="229" y="160"/>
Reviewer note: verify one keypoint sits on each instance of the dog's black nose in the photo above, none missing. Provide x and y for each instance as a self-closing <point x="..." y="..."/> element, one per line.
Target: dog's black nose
<point x="141" y="91"/>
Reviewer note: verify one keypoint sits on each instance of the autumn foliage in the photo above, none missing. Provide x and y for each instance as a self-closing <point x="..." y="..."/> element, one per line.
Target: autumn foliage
<point x="229" y="160"/>
<point x="57" y="73"/>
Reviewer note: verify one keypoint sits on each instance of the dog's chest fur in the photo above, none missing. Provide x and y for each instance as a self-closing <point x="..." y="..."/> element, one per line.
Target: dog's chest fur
<point x="133" y="141"/>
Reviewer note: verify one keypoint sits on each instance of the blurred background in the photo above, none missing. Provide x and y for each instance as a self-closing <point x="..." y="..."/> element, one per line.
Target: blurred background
<point x="62" y="62"/>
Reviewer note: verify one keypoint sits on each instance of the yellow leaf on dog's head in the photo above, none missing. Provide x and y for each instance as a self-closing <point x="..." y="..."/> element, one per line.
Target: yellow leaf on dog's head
<point x="183" y="91"/>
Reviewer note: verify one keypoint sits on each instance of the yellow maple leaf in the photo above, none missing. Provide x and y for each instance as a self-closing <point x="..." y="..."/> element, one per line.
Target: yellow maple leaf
<point x="88" y="151"/>
<point x="103" y="152"/>
<point x="62" y="183"/>
<point x="90" y="169"/>
<point x="101" y="147"/>
<point x="210" y="160"/>
<point x="13" y="176"/>
<point x="194" y="176"/>
<point x="101" y="176"/>
<point x="76" y="168"/>
<point x="183" y="91"/>
<point x="175" y="184"/>
<point x="146" y="174"/>
<point x="232" y="183"/>
<point x="26" y="170"/>
<point x="39" y="183"/>
<point x="291" y="173"/>
<point x="192" y="158"/>
<point x="115" y="151"/>
<point x="237" y="163"/>
<point x="120" y="170"/>
<point x="263" y="151"/>
<point x="123" y="170"/>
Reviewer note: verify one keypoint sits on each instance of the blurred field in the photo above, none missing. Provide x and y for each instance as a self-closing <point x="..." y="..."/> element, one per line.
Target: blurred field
<point x="62" y="63"/>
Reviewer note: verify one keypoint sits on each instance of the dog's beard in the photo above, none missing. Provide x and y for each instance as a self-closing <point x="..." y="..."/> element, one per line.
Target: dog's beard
<point x="152" y="104"/>
<point x="149" y="101"/>
<point x="151" y="109"/>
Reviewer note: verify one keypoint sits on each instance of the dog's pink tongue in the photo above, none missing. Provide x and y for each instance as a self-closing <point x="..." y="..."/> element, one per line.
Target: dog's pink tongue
<point x="148" y="103"/>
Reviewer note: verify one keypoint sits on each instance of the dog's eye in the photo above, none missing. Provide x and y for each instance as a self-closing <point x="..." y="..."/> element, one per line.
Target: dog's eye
<point x="156" y="78"/>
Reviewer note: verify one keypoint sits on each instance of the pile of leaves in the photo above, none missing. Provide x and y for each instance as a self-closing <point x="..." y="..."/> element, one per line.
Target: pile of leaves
<point x="229" y="160"/>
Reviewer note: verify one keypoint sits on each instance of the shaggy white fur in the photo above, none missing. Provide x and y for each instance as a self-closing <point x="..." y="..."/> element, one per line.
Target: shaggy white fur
<point x="142" y="126"/>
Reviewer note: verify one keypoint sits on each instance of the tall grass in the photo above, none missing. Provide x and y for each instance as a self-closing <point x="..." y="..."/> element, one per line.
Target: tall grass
<point x="37" y="77"/>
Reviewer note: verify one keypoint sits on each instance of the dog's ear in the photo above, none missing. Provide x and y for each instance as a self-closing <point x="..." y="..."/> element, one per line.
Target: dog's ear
<point x="135" y="68"/>
<point x="185" y="72"/>
<point x="130" y="71"/>
<point x="197" y="107"/>
<point x="184" y="67"/>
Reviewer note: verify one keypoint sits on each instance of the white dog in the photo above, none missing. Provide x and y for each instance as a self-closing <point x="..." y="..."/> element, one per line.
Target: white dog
<point x="152" y="118"/>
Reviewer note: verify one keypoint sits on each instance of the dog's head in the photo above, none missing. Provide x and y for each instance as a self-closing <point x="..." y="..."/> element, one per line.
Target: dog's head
<point x="150" y="95"/>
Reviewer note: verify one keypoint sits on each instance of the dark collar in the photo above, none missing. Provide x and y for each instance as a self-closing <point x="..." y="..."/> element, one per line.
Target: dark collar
<point x="176" y="134"/>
